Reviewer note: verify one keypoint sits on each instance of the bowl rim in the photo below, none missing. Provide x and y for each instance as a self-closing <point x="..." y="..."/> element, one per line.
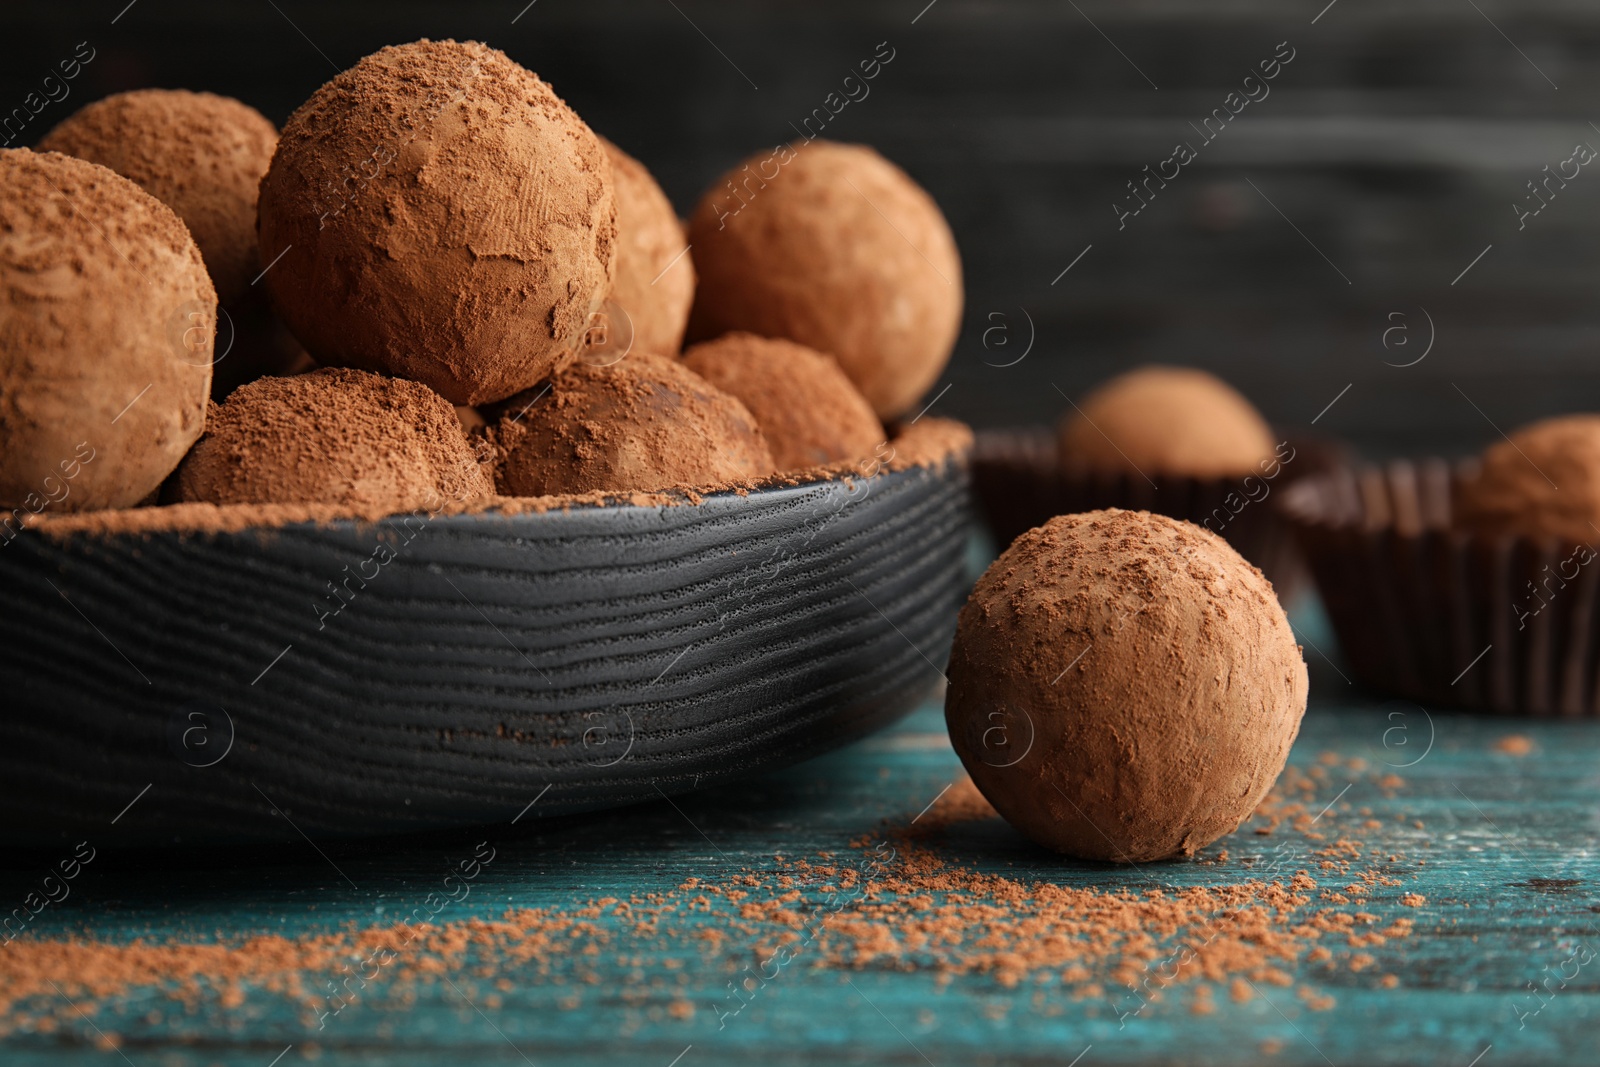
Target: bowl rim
<point x="933" y="443"/>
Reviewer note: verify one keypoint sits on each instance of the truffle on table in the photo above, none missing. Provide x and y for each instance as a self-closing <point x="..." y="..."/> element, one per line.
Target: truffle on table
<point x="833" y="246"/>
<point x="106" y="323"/>
<point x="1124" y="686"/>
<point x="1166" y="420"/>
<point x="336" y="436"/>
<point x="809" y="411"/>
<point x="442" y="216"/>
<point x="644" y="424"/>
<point x="1543" y="481"/>
<point x="655" y="272"/>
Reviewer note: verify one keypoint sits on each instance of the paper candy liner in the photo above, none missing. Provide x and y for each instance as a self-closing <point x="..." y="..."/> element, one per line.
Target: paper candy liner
<point x="1507" y="624"/>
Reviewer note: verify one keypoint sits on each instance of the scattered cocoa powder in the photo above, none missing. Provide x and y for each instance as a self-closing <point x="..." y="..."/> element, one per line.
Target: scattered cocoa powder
<point x="895" y="900"/>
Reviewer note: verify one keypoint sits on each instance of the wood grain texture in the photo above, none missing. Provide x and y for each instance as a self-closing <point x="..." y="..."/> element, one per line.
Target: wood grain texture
<point x="609" y="655"/>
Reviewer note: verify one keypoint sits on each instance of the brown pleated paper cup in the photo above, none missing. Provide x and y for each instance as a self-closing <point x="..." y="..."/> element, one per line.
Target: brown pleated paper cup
<point x="1021" y="482"/>
<point x="1498" y="623"/>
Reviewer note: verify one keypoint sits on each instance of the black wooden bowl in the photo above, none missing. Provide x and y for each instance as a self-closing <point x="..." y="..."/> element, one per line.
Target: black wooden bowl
<point x="302" y="680"/>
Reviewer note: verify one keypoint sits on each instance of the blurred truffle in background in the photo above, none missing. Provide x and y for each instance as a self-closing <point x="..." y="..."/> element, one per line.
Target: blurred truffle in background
<point x="1542" y="481"/>
<point x="1165" y="420"/>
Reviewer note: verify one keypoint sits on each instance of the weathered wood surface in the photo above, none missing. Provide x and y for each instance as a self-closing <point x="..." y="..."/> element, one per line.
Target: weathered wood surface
<point x="420" y="673"/>
<point x="1494" y="825"/>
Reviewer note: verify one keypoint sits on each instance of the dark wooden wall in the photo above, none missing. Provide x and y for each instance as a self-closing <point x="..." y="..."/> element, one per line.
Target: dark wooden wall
<point x="1395" y="143"/>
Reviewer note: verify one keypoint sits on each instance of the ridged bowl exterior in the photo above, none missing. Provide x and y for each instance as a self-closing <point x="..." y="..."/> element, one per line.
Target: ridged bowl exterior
<point x="582" y="659"/>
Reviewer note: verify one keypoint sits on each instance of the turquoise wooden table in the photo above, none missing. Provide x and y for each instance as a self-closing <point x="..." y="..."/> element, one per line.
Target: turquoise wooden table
<point x="1485" y="829"/>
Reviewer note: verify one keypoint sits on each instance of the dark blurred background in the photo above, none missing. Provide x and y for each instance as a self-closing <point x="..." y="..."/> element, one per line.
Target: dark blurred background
<point x="1345" y="204"/>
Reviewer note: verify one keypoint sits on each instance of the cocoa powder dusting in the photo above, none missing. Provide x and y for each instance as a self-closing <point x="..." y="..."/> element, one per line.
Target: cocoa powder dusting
<point x="1152" y="672"/>
<point x="840" y="250"/>
<point x="1514" y="745"/>
<point x="897" y="899"/>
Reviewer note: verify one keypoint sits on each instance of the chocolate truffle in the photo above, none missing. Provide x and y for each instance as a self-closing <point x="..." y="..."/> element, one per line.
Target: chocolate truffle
<point x="1166" y="420"/>
<point x="200" y="154"/>
<point x="107" y="318"/>
<point x="655" y="275"/>
<point x="334" y="436"/>
<point x="1123" y="686"/>
<point x="442" y="216"/>
<point x="832" y="246"/>
<point x="808" y="410"/>
<point x="640" y="425"/>
<point x="1544" y="481"/>
<point x="203" y="156"/>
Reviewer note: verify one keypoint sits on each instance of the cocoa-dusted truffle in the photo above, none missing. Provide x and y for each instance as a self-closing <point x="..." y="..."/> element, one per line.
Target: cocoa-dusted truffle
<point x="809" y="411"/>
<point x="1123" y="686"/>
<point x="337" y="436"/>
<point x="655" y="275"/>
<point x="832" y="246"/>
<point x="640" y="425"/>
<point x="201" y="154"/>
<point x="106" y="323"/>
<point x="1544" y="481"/>
<point x="1166" y="420"/>
<point x="442" y="216"/>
